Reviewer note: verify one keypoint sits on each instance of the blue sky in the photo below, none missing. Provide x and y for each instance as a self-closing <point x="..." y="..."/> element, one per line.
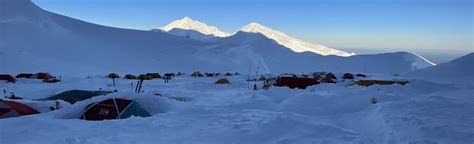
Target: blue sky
<point x="431" y="25"/>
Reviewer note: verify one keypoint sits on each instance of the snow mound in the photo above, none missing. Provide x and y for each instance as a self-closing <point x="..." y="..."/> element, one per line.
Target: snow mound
<point x="189" y="24"/>
<point x="151" y="103"/>
<point x="292" y="43"/>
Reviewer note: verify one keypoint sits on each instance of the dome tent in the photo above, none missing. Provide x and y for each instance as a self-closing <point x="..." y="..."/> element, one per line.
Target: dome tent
<point x="42" y="75"/>
<point x="24" y="75"/>
<point x="130" y="76"/>
<point x="14" y="109"/>
<point x="222" y="81"/>
<point x="73" y="96"/>
<point x="113" y="108"/>
<point x="7" y="78"/>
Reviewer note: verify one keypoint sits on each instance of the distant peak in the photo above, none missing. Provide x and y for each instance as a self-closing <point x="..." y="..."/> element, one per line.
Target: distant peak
<point x="253" y="26"/>
<point x="187" y="19"/>
<point x="187" y="23"/>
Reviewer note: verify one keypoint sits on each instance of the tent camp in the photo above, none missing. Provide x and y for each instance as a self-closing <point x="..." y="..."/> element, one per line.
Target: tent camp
<point x="14" y="109"/>
<point x="8" y="78"/>
<point x="113" y="108"/>
<point x="72" y="96"/>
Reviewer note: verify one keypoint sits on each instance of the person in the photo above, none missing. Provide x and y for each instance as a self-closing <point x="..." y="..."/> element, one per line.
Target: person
<point x="13" y="96"/>
<point x="373" y="101"/>
<point x="57" y="106"/>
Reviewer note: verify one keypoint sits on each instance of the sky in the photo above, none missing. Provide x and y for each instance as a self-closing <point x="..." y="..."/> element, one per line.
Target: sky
<point x="434" y="26"/>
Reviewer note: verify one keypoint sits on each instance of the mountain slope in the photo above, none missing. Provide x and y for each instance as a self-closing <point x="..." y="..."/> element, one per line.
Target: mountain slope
<point x="279" y="59"/>
<point x="290" y="42"/>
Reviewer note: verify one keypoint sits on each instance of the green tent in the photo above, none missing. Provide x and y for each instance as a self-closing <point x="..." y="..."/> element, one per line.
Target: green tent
<point x="73" y="96"/>
<point x="114" y="108"/>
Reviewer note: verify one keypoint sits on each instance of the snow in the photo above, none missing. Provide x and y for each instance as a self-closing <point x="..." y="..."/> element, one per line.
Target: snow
<point x="418" y="112"/>
<point x="33" y="40"/>
<point x="189" y="24"/>
<point x="292" y="43"/>
<point x="460" y="69"/>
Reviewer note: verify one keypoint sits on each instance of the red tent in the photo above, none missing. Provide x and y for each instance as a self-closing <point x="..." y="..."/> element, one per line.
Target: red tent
<point x="14" y="109"/>
<point x="295" y="82"/>
<point x="42" y="75"/>
<point x="24" y="75"/>
<point x="114" y="108"/>
<point x="7" y="78"/>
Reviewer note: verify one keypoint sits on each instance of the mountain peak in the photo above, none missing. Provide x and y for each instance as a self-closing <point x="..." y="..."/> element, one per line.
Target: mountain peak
<point x="290" y="42"/>
<point x="187" y="23"/>
<point x="187" y="19"/>
<point x="258" y="28"/>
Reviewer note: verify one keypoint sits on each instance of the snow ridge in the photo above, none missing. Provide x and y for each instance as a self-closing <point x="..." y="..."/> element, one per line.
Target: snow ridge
<point x="292" y="43"/>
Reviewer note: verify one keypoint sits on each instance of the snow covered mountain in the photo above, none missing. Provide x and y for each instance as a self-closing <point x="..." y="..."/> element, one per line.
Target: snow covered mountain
<point x="185" y="26"/>
<point x="292" y="43"/>
<point x="276" y="58"/>
<point x="33" y="40"/>
<point x="200" y="31"/>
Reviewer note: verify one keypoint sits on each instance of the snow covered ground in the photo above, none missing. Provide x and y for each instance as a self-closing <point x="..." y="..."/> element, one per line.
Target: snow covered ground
<point x="437" y="106"/>
<point x="419" y="112"/>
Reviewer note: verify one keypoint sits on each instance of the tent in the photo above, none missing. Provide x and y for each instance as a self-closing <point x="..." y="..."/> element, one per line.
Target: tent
<point x="222" y="81"/>
<point x="361" y="75"/>
<point x="130" y="76"/>
<point x="348" y="76"/>
<point x="14" y="109"/>
<point x="153" y="75"/>
<point x="72" y="96"/>
<point x="114" y="108"/>
<point x="367" y="83"/>
<point x="295" y="82"/>
<point x="7" y="78"/>
<point x="328" y="80"/>
<point x="24" y="75"/>
<point x="113" y="75"/>
<point x="42" y="75"/>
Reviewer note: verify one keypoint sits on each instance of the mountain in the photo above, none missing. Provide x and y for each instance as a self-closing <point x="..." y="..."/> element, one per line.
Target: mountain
<point x="34" y="40"/>
<point x="290" y="42"/>
<point x="276" y="58"/>
<point x="453" y="71"/>
<point x="200" y="31"/>
<point x="194" y="29"/>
